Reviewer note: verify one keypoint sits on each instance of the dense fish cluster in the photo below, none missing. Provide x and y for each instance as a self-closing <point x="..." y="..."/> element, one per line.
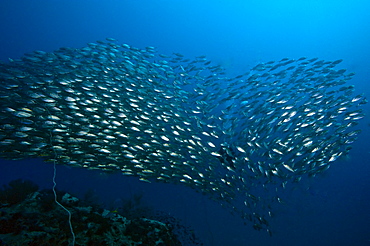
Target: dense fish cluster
<point x="109" y="106"/>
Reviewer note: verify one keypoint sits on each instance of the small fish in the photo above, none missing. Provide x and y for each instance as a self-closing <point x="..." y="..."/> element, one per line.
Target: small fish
<point x="111" y="106"/>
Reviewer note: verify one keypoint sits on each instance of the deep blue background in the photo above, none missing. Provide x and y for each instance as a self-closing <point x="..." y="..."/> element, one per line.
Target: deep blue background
<point x="334" y="210"/>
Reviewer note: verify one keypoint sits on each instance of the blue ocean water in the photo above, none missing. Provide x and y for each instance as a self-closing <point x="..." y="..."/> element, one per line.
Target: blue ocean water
<point x="331" y="209"/>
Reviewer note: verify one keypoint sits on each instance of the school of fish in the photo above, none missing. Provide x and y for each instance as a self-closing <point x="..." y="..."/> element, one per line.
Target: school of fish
<point x="113" y="107"/>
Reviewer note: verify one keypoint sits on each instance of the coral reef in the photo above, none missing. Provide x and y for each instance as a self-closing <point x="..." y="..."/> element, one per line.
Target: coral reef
<point x="33" y="218"/>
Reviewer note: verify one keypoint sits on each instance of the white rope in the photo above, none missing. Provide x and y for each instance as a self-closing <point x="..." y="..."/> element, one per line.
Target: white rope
<point x="69" y="213"/>
<point x="55" y="184"/>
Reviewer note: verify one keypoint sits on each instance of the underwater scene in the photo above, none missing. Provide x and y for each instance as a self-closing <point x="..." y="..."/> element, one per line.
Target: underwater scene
<point x="159" y="122"/>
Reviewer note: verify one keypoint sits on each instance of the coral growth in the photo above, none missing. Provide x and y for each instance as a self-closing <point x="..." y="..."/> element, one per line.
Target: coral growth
<point x="31" y="217"/>
<point x="16" y="191"/>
